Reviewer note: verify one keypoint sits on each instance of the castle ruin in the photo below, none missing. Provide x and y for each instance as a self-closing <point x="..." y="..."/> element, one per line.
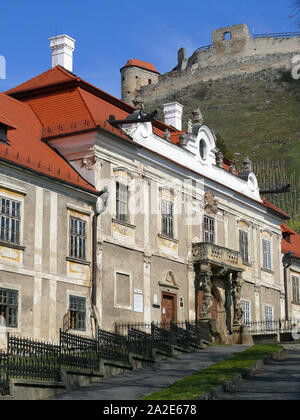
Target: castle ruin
<point x="233" y="52"/>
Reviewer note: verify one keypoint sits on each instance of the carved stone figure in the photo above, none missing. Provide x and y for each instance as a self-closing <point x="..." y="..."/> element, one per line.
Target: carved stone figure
<point x="219" y="158"/>
<point x="248" y="165"/>
<point x="167" y="135"/>
<point x="211" y="204"/>
<point x="207" y="296"/>
<point x="237" y="305"/>
<point x="190" y="127"/>
<point x="197" y="117"/>
<point x="232" y="168"/>
<point x="184" y="139"/>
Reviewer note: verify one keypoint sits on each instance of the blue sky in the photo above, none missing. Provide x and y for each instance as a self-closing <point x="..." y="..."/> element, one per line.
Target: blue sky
<point x="109" y="33"/>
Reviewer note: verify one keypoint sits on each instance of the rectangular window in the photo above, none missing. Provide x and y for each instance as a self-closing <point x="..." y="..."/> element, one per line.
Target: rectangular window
<point x="209" y="230"/>
<point x="10" y="221"/>
<point x="295" y="284"/>
<point x="244" y="245"/>
<point x="123" y="290"/>
<point x="167" y="212"/>
<point x="77" y="313"/>
<point x="269" y="318"/>
<point x="267" y="254"/>
<point x="247" y="312"/>
<point x="122" y="202"/>
<point x="78" y="237"/>
<point x="9" y="307"/>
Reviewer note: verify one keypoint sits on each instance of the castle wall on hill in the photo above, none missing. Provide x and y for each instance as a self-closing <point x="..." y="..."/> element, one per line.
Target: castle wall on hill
<point x="233" y="52"/>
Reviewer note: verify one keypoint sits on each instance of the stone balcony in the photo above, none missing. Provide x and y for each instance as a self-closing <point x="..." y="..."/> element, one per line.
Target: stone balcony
<point x="218" y="256"/>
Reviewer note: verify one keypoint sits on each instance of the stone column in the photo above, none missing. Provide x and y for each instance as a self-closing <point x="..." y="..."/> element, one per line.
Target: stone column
<point x="237" y="283"/>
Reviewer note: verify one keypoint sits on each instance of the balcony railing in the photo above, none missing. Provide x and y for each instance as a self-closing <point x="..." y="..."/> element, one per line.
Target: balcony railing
<point x="211" y="253"/>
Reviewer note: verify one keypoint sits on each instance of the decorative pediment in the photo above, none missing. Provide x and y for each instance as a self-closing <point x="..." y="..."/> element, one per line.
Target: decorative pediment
<point x="169" y="281"/>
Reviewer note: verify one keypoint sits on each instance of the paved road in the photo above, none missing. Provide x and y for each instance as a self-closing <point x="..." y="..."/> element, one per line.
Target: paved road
<point x="278" y="381"/>
<point x="134" y="385"/>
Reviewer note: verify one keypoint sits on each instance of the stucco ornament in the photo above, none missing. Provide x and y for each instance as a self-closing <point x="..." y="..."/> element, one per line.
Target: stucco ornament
<point x="211" y="203"/>
<point x="170" y="278"/>
<point x="88" y="163"/>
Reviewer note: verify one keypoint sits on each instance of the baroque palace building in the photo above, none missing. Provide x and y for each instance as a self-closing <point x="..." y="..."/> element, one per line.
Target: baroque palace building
<point x="109" y="215"/>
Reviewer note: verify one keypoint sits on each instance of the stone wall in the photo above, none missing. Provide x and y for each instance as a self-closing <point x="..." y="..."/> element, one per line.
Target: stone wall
<point x="239" y="55"/>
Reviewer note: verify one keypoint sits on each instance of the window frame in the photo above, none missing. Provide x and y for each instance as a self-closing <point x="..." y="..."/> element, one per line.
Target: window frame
<point x="80" y="237"/>
<point x="11" y="306"/>
<point x="9" y="219"/>
<point x="295" y="290"/>
<point x="247" y="312"/>
<point x="267" y="256"/>
<point x="209" y="235"/>
<point x="244" y="245"/>
<point x="269" y="321"/>
<point x="122" y="217"/>
<point x="74" y="312"/>
<point x="130" y="277"/>
<point x="167" y="218"/>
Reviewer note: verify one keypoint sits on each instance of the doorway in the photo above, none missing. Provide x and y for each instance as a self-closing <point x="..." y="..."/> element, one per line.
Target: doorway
<point x="168" y="308"/>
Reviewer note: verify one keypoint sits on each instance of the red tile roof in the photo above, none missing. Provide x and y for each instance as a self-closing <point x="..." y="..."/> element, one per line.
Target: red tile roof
<point x="273" y="208"/>
<point x="294" y="244"/>
<point x="142" y="64"/>
<point x="65" y="104"/>
<point x="27" y="149"/>
<point x="53" y="77"/>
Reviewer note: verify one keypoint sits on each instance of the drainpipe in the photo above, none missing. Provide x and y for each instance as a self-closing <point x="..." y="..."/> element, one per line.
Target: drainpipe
<point x="287" y="262"/>
<point x="100" y="207"/>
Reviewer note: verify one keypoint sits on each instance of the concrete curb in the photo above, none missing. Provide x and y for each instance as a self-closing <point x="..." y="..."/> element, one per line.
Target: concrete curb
<point x="233" y="383"/>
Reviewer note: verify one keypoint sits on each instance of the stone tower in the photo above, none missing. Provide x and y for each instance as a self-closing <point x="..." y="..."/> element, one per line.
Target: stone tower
<point x="134" y="75"/>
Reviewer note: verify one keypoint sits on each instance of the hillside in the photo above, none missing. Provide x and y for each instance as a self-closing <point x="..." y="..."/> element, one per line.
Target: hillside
<point x="257" y="115"/>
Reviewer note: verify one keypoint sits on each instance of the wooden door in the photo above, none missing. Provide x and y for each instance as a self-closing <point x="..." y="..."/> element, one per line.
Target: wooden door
<point x="168" y="308"/>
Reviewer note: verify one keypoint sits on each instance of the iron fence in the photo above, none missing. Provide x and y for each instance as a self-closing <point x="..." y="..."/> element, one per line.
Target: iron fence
<point x="113" y="346"/>
<point x="123" y="328"/>
<point x="272" y="326"/>
<point x="183" y="334"/>
<point x="37" y="360"/>
<point x="140" y="342"/>
<point x="79" y="352"/>
<point x="4" y="381"/>
<point x="277" y="35"/>
<point x="179" y="336"/>
<point x="30" y="359"/>
<point x="161" y="338"/>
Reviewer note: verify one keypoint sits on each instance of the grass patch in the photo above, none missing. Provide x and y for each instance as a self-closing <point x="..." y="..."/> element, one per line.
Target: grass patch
<point x="194" y="386"/>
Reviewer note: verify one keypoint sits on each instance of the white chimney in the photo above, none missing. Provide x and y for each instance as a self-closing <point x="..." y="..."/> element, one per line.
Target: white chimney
<point x="173" y="114"/>
<point x="62" y="47"/>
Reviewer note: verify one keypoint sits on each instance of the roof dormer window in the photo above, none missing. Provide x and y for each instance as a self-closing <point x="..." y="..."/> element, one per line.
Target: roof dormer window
<point x="286" y="236"/>
<point x="3" y="134"/>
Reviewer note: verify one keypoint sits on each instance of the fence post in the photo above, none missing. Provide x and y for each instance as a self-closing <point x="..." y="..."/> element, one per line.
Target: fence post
<point x="59" y="355"/>
<point x="7" y="358"/>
